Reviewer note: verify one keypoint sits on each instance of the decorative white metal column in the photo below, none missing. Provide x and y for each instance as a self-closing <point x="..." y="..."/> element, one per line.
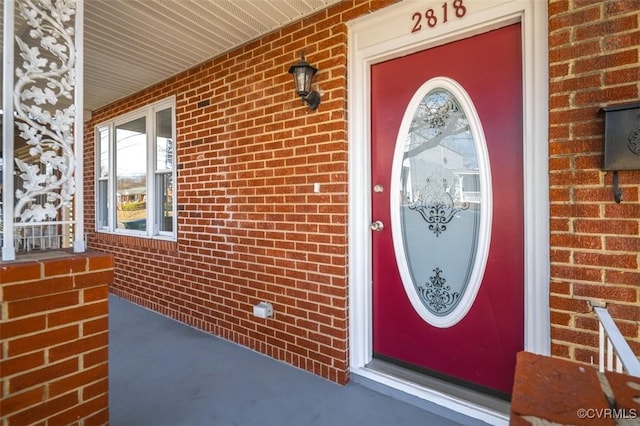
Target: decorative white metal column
<point x="8" y="250"/>
<point x="42" y="99"/>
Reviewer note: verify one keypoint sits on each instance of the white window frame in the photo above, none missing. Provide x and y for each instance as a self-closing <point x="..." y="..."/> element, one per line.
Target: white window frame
<point x="153" y="227"/>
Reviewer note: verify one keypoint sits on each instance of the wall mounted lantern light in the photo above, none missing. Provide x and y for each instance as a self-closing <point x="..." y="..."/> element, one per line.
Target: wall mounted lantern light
<point x="303" y="73"/>
<point x="621" y="141"/>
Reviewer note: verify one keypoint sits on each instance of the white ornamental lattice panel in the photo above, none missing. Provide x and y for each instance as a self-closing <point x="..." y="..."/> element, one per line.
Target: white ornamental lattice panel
<point x="45" y="102"/>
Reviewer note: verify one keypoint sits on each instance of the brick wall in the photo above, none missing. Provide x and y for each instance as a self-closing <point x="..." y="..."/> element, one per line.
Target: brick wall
<point x="54" y="340"/>
<point x="250" y="227"/>
<point x="595" y="243"/>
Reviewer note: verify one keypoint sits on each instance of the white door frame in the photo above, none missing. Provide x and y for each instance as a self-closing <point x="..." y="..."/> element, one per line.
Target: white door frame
<point x="387" y="34"/>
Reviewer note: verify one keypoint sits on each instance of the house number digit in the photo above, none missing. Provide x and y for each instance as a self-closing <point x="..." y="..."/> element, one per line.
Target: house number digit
<point x="430" y="18"/>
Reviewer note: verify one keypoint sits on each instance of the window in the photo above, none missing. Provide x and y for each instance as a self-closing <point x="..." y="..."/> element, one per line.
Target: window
<point x="135" y="173"/>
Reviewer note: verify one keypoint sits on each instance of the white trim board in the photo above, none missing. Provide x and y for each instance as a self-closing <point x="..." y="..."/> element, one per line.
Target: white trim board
<point x="387" y="34"/>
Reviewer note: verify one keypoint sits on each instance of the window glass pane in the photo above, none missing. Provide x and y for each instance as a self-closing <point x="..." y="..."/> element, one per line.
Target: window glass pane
<point x="164" y="140"/>
<point x="131" y="175"/>
<point x="103" y="177"/>
<point x="103" y="135"/>
<point x="164" y="199"/>
<point x="440" y="207"/>
<point x="103" y="212"/>
<point x="441" y="202"/>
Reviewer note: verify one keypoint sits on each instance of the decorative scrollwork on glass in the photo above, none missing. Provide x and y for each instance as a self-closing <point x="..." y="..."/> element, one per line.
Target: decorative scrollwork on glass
<point x="441" y="202"/>
<point x="436" y="294"/>
<point x="45" y="82"/>
<point x="437" y="118"/>
<point x="436" y="205"/>
<point x="437" y="109"/>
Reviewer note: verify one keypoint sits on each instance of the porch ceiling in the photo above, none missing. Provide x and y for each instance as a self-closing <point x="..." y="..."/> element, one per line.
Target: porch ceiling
<point x="132" y="44"/>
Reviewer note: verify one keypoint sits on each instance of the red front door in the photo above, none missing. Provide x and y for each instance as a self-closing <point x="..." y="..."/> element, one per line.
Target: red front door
<point x="440" y="201"/>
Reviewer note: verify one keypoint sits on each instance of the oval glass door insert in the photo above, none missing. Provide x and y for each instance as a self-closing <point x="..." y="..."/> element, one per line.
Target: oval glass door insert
<point x="441" y="203"/>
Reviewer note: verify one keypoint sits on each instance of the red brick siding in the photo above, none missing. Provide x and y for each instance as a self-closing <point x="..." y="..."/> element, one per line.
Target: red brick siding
<point x="595" y="243"/>
<point x="54" y="340"/>
<point x="250" y="227"/>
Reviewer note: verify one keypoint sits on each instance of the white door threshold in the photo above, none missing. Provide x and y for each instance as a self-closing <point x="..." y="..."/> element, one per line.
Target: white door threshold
<point x="455" y="402"/>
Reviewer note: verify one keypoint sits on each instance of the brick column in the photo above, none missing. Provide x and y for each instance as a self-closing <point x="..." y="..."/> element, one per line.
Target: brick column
<point x="54" y="339"/>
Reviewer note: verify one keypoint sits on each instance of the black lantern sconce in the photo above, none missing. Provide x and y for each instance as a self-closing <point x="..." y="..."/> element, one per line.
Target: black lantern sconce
<point x="303" y="73"/>
<point x="621" y="141"/>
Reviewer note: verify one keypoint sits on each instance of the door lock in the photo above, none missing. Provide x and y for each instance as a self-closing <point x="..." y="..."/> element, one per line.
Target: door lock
<point x="377" y="226"/>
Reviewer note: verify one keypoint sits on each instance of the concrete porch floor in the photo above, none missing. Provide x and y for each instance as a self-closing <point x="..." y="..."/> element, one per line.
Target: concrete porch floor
<point x="162" y="372"/>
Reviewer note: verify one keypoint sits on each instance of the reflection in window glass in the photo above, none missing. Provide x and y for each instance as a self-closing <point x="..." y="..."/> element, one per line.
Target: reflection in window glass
<point x="164" y="142"/>
<point x="164" y="200"/>
<point x="103" y="177"/>
<point x="441" y="201"/>
<point x="131" y="175"/>
<point x="103" y="135"/>
<point x="164" y="167"/>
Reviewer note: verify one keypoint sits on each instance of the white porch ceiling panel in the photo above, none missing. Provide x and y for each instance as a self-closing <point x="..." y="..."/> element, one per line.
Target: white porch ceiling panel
<point x="133" y="44"/>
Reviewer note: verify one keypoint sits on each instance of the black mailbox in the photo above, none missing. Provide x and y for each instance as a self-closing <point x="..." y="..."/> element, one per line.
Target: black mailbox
<point x="621" y="141"/>
<point x="622" y="137"/>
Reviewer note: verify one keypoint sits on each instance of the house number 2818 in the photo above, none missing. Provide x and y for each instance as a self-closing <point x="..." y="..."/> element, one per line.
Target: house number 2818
<point x="430" y="18"/>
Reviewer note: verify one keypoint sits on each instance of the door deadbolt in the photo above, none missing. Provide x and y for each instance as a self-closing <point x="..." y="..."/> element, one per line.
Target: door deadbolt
<point x="377" y="226"/>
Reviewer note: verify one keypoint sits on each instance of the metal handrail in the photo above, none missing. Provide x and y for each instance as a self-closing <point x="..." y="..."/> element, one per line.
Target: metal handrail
<point x="618" y="352"/>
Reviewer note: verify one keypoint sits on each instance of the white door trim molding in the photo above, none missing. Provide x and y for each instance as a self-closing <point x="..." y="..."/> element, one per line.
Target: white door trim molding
<point x="387" y="34"/>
